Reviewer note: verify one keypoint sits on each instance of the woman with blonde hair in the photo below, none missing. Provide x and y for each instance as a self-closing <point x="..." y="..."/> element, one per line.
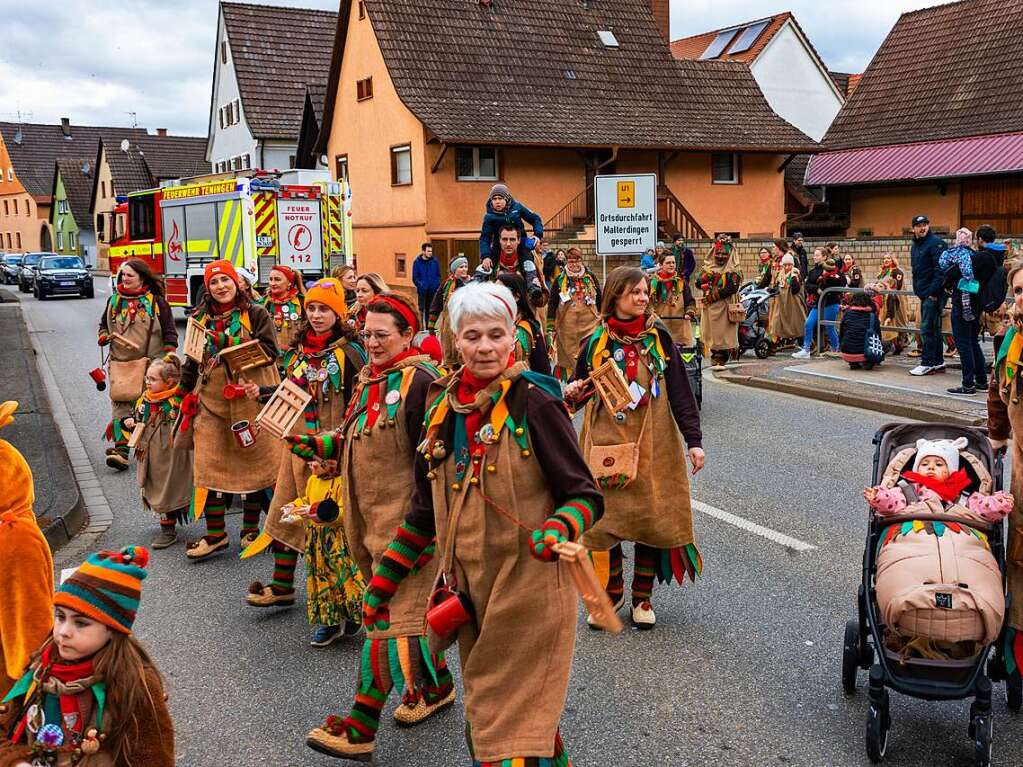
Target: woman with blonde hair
<point x="894" y="309"/>
<point x="367" y="287"/>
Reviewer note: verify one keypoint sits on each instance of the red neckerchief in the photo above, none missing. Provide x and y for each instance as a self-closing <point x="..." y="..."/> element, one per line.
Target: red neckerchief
<point x="314" y="344"/>
<point x="378" y="370"/>
<point x="466" y="390"/>
<point x="71" y="713"/>
<point x="627" y="328"/>
<point x="287" y="296"/>
<point x="125" y="293"/>
<point x="360" y="319"/>
<point x="509" y="261"/>
<point x="832" y="273"/>
<point x="219" y="308"/>
<point x="947" y="490"/>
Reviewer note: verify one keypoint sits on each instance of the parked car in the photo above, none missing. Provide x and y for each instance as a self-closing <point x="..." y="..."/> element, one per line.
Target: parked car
<point x="61" y="276"/>
<point x="10" y="265"/>
<point x="26" y="275"/>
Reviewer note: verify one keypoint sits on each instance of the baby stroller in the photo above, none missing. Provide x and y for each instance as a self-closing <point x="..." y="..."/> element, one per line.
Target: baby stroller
<point x="752" y="334"/>
<point x="927" y="679"/>
<point x="692" y="358"/>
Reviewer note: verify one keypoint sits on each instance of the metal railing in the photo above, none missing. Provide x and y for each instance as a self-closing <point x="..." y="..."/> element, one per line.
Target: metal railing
<point x="577" y="209"/>
<point x="821" y="322"/>
<point x="671" y="212"/>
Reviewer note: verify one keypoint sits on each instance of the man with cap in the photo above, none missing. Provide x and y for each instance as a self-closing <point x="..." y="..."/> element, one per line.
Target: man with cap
<point x="426" y="278"/>
<point x="928" y="285"/>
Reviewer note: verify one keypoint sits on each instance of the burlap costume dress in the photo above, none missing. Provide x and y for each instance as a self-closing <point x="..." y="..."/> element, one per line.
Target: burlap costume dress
<point x="788" y="310"/>
<point x="164" y="471"/>
<point x="573" y="313"/>
<point x="1005" y="422"/>
<point x="439" y="322"/>
<point x="649" y="502"/>
<point x="286" y="312"/>
<point x="719" y="284"/>
<point x="221" y="467"/>
<point x="146" y="323"/>
<point x="895" y="309"/>
<point x="517" y="653"/>
<point x="671" y="300"/>
<point x="329" y="375"/>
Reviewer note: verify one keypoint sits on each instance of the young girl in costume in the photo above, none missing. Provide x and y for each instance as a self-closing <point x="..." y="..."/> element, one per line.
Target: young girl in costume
<point x="643" y="503"/>
<point x="671" y="301"/>
<point x="91" y="696"/>
<point x="284" y="303"/>
<point x="499" y="481"/>
<point x="324" y="360"/>
<point x="573" y="312"/>
<point x="26" y="566"/>
<point x="221" y="465"/>
<point x="530" y="344"/>
<point x="138" y="326"/>
<point x="164" y="471"/>
<point x="438" y="321"/>
<point x="381" y="431"/>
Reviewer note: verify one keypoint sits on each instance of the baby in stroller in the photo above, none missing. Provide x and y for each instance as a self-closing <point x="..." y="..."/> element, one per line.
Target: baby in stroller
<point x="939" y="587"/>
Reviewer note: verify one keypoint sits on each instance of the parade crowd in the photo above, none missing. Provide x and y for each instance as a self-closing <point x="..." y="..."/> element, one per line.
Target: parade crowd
<point x="419" y="458"/>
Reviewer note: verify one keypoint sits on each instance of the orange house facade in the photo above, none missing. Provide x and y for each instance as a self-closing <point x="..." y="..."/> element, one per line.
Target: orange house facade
<point x="411" y="184"/>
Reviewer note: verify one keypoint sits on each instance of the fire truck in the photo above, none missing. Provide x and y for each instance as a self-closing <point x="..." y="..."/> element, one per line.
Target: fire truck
<point x="297" y="218"/>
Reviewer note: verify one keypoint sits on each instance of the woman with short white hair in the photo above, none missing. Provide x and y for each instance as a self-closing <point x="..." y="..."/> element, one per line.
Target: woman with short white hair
<point x="499" y="473"/>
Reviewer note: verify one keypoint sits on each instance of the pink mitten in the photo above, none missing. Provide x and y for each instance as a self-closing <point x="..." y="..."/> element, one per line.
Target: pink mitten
<point x="888" y="501"/>
<point x="992" y="508"/>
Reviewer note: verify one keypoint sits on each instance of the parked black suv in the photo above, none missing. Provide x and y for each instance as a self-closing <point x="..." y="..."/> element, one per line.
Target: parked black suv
<point x="26" y="276"/>
<point x="10" y="265"/>
<point x="61" y="276"/>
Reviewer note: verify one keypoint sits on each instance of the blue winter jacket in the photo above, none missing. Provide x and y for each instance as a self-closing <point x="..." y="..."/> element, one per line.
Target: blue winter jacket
<point x="514" y="215"/>
<point x="426" y="274"/>
<point x="928" y="279"/>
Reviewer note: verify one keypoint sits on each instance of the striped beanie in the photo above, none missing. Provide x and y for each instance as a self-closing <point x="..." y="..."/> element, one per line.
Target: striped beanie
<point x="107" y="587"/>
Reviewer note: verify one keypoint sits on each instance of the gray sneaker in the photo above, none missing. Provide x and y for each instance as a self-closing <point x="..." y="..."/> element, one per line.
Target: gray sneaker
<point x="921" y="370"/>
<point x="164" y="539"/>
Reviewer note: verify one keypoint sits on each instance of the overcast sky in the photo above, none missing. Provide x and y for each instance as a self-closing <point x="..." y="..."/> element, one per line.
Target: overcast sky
<point x="99" y="61"/>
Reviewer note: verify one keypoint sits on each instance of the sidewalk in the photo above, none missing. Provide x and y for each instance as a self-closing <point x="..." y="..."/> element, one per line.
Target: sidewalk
<point x="58" y="502"/>
<point x="887" y="388"/>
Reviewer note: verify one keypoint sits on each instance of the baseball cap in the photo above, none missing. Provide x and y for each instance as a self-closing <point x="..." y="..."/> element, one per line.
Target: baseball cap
<point x="917" y="220"/>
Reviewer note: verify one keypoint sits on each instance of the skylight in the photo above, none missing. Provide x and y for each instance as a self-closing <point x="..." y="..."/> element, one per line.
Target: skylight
<point x="749" y="36"/>
<point x="720" y="43"/>
<point x="608" y="38"/>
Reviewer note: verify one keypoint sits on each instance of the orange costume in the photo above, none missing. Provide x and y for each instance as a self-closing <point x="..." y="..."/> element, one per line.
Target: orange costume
<point x="26" y="566"/>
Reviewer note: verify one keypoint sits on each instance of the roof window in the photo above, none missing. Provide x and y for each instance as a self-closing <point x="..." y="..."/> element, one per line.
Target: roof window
<point x="569" y="74"/>
<point x="749" y="36"/>
<point x="608" y="38"/>
<point x="718" y="45"/>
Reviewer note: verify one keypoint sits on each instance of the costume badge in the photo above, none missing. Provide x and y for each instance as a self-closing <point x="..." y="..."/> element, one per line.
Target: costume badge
<point x="487" y="434"/>
<point x="619" y="355"/>
<point x="393" y="397"/>
<point x="332" y="368"/>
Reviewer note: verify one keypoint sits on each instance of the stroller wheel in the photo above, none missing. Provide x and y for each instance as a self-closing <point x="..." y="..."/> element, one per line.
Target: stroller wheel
<point x="878" y="724"/>
<point x="983" y="730"/>
<point x="1014" y="692"/>
<point x="762" y="349"/>
<point x="850" y="657"/>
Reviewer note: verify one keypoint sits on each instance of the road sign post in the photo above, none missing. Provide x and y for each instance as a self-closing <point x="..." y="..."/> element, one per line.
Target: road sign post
<point x="625" y="214"/>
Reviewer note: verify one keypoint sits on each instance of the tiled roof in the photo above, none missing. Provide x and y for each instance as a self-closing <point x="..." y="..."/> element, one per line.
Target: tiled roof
<point x="127" y="166"/>
<point x="317" y="94"/>
<point x="942" y="73"/>
<point x="78" y="187"/>
<point x="276" y="51"/>
<point x="534" y="72"/>
<point x="34" y="147"/>
<point x="795" y="180"/>
<point x="693" y="47"/>
<point x="151" y="159"/>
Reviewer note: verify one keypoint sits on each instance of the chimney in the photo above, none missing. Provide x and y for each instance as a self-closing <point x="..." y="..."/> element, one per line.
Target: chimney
<point x="65" y="126"/>
<point x="161" y="131"/>
<point x="662" y="15"/>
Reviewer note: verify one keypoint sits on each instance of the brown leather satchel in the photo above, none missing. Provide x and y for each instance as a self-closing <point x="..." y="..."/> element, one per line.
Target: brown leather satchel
<point x="736" y="313"/>
<point x="127" y="379"/>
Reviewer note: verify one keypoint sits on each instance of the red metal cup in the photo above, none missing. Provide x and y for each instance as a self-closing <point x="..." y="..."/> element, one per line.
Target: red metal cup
<point x="450" y="611"/>
<point x="234" y="391"/>
<point x="244" y="433"/>
<point x="97" y="375"/>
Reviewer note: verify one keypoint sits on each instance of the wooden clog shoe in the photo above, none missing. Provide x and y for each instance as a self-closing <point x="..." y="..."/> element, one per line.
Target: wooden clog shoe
<point x="324" y="742"/>
<point x="205" y="548"/>
<point x="409" y="715"/>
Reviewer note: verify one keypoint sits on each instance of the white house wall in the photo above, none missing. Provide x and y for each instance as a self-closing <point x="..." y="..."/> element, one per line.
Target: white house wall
<point x="277" y="155"/>
<point x="794" y="85"/>
<point x="235" y="140"/>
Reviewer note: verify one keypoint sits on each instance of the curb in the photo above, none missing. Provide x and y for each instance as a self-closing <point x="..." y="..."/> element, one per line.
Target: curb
<point x="850" y="400"/>
<point x="92" y="506"/>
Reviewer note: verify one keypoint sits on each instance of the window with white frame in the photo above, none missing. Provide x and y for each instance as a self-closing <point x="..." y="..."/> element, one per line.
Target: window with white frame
<point x="724" y="168"/>
<point x="60" y="241"/>
<point x="401" y="165"/>
<point x="71" y="240"/>
<point x="476" y="163"/>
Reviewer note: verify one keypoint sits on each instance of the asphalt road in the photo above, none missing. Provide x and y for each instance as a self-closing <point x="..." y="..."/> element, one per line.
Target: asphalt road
<point x="742" y="669"/>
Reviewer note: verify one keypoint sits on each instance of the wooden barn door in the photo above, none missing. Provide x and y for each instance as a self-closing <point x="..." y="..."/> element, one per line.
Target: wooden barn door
<point x="994" y="201"/>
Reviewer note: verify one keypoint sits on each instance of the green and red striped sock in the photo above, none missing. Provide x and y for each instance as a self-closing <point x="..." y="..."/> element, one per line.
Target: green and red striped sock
<point x="216" y="508"/>
<point x="285" y="561"/>
<point x="364" y="720"/>
<point x="445" y="682"/>
<point x="252" y="506"/>
<point x="616" y="581"/>
<point x="643" y="577"/>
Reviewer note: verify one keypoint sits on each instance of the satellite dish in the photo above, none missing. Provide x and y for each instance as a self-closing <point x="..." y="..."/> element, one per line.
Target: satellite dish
<point x="125" y="145"/>
<point x="18" y="137"/>
<point x="85" y="168"/>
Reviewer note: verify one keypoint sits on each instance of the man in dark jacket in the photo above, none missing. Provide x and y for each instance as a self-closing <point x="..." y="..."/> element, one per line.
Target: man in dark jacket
<point x="802" y="262"/>
<point x="502" y="210"/>
<point x="426" y="278"/>
<point x="685" y="260"/>
<point x="929" y="287"/>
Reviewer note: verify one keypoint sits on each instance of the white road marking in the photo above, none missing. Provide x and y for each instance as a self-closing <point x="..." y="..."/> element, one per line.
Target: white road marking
<point x="958" y="397"/>
<point x="752" y="527"/>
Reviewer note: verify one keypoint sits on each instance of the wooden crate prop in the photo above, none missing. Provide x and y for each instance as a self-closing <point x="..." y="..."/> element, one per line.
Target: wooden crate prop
<point x="279" y="415"/>
<point x="195" y="341"/>
<point x="117" y="338"/>
<point x="596" y="600"/>
<point x="136" y="434"/>
<point x="611" y="386"/>
<point x="245" y="356"/>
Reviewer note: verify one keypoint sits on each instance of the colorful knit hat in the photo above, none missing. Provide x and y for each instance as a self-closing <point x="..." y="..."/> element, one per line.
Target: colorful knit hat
<point x="331" y="293"/>
<point x="220" y="267"/>
<point x="107" y="587"/>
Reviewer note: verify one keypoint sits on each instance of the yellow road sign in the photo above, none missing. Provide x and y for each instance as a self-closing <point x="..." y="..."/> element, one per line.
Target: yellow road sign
<point x="626" y="194"/>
